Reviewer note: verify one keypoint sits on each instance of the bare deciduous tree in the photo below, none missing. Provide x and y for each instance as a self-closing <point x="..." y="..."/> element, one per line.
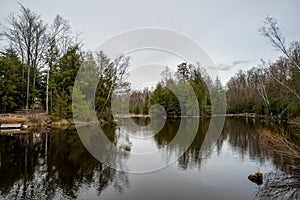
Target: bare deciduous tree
<point x="271" y="31"/>
<point x="26" y="33"/>
<point x="166" y="75"/>
<point x="59" y="40"/>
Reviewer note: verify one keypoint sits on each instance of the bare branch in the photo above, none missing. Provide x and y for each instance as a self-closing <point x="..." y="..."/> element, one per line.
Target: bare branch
<point x="271" y="30"/>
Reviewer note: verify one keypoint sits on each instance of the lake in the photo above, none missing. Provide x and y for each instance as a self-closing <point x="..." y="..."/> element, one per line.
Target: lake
<point x="54" y="164"/>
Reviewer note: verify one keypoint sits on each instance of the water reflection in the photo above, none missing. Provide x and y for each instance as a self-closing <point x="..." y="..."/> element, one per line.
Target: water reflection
<point x="283" y="180"/>
<point x="53" y="164"/>
<point x="193" y="155"/>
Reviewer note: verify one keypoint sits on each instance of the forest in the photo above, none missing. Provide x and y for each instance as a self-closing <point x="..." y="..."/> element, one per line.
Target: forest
<point x="40" y="61"/>
<point x="272" y="88"/>
<point x="39" y="68"/>
<point x="205" y="90"/>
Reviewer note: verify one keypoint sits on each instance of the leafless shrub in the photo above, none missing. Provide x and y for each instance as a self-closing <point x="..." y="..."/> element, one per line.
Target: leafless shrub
<point x="278" y="144"/>
<point x="38" y="118"/>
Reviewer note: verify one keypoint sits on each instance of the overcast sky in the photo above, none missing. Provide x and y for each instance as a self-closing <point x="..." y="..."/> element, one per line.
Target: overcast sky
<point x="226" y="30"/>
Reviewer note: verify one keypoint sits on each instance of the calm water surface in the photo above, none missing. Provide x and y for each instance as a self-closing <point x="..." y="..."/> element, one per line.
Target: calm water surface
<point x="53" y="164"/>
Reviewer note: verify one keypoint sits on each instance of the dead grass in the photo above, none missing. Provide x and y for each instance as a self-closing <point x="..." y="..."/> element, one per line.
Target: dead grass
<point x="278" y="144"/>
<point x="295" y="121"/>
<point x="38" y="118"/>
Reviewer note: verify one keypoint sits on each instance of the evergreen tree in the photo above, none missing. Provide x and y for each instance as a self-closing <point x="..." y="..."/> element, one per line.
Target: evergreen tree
<point x="62" y="79"/>
<point x="187" y="75"/>
<point x="137" y="109"/>
<point x="183" y="72"/>
<point x="11" y="94"/>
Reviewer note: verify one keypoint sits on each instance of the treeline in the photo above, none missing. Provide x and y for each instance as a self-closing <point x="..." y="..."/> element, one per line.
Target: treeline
<point x="163" y="94"/>
<point x="39" y="67"/>
<point x="62" y="76"/>
<point x="272" y="88"/>
<point x="41" y="61"/>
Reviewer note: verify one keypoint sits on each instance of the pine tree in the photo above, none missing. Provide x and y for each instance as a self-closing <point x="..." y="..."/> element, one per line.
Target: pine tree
<point x="11" y="96"/>
<point x="137" y="109"/>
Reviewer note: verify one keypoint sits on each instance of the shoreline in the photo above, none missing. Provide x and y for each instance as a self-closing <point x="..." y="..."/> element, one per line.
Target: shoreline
<point x="40" y="120"/>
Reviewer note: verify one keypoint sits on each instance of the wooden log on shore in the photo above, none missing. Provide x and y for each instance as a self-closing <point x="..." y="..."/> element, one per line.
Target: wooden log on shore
<point x="10" y="126"/>
<point x="13" y="131"/>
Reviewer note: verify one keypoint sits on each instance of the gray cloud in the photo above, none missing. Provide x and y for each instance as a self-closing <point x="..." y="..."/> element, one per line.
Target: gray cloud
<point x="237" y="62"/>
<point x="225" y="67"/>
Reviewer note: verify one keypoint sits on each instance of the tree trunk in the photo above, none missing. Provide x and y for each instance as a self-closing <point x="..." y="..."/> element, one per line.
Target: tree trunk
<point x="47" y="93"/>
<point x="27" y="91"/>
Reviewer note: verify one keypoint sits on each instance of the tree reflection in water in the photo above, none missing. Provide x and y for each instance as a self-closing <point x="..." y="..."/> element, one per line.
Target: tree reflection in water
<point x="284" y="181"/>
<point x="52" y="164"/>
